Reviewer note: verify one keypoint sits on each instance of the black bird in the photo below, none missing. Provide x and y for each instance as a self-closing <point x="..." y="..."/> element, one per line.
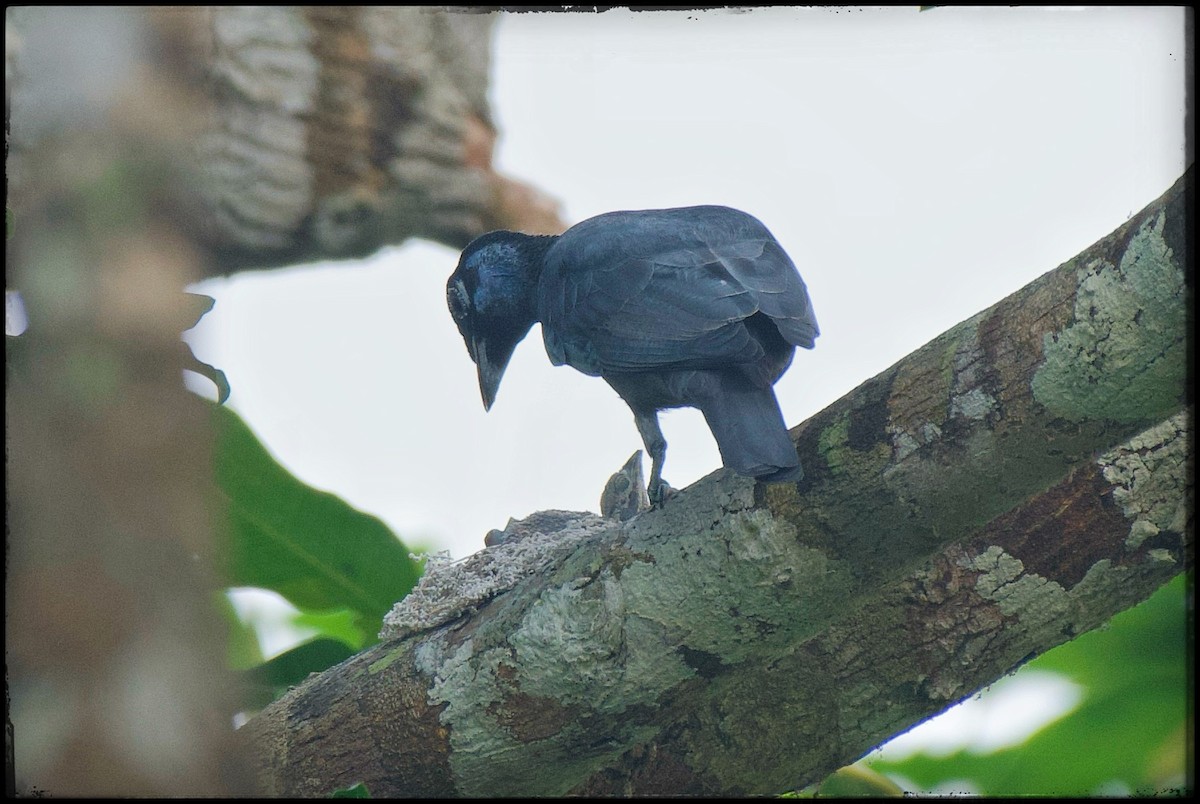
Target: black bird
<point x="693" y="307"/>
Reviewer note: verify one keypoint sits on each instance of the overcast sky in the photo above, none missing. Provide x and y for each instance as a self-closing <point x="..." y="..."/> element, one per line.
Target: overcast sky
<point x="918" y="167"/>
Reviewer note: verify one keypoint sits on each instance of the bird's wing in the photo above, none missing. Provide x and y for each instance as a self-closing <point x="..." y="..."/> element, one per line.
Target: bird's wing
<point x="767" y="272"/>
<point x="668" y="290"/>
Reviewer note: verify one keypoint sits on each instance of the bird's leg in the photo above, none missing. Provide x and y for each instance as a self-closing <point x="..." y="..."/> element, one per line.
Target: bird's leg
<point x="656" y="446"/>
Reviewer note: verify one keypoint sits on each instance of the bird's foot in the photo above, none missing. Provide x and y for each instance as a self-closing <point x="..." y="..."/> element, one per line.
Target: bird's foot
<point x="659" y="493"/>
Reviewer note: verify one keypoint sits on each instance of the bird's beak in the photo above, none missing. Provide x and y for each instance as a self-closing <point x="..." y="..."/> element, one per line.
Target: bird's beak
<point x="489" y="372"/>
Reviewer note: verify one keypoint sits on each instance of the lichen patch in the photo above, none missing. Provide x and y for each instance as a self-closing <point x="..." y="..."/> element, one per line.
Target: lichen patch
<point x="1122" y="357"/>
<point x="1147" y="482"/>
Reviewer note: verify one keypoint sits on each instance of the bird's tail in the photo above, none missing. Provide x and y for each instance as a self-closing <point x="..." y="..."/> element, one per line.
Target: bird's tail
<point x="751" y="434"/>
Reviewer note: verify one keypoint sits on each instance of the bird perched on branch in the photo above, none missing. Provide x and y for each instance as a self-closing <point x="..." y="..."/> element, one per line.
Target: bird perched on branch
<point x="692" y="307"/>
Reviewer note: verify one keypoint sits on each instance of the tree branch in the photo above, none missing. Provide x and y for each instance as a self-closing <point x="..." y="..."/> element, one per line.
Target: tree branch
<point x="328" y="132"/>
<point x="954" y="522"/>
<point x="337" y="130"/>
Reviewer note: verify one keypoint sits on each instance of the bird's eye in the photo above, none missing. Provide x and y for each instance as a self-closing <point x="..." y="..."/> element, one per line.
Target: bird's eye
<point x="456" y="299"/>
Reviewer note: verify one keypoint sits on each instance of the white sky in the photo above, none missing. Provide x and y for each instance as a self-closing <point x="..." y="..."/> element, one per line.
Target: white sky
<point x="918" y="167"/>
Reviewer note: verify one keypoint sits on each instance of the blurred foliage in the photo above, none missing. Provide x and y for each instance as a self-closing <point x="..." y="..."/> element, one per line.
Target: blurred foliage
<point x="272" y="678"/>
<point x="308" y="545"/>
<point x="343" y="625"/>
<point x="356" y="791"/>
<point x="243" y="645"/>
<point x="1130" y="734"/>
<point x="343" y="569"/>
<point x="858" y="781"/>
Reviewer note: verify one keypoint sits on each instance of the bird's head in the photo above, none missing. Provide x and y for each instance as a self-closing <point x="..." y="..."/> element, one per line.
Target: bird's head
<point x="492" y="296"/>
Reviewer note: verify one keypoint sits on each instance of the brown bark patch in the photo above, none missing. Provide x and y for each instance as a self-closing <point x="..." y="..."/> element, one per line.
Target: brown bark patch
<point x="1059" y="535"/>
<point x="532" y="717"/>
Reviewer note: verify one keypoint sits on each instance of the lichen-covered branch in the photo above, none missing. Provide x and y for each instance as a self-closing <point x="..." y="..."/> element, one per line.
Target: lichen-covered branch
<point x="954" y="521"/>
<point x="324" y="132"/>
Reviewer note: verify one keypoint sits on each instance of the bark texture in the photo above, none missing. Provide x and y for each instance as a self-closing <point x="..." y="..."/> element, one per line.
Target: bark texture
<point x="955" y="521"/>
<point x="114" y="652"/>
<point x="328" y="132"/>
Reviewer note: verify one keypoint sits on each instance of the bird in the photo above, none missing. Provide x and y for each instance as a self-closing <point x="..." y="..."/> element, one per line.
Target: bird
<point x="694" y="306"/>
<point x="624" y="496"/>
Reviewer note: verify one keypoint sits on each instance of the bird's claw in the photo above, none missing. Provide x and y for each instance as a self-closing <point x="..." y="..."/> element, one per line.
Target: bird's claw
<point x="660" y="493"/>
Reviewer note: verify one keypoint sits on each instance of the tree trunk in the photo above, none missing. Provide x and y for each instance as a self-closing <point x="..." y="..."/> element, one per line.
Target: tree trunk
<point x="115" y="652"/>
<point x="147" y="150"/>
<point x="954" y="522"/>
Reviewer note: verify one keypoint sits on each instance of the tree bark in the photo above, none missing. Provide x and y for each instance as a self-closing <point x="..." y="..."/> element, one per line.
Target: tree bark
<point x="147" y="150"/>
<point x="328" y="132"/>
<point x="954" y="521"/>
<point x="114" y="650"/>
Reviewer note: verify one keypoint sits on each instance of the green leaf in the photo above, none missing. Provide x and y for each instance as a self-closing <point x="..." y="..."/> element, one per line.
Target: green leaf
<point x="357" y="791"/>
<point x="857" y="781"/>
<point x="308" y="545"/>
<point x="243" y="646"/>
<point x="293" y="666"/>
<point x="343" y="625"/>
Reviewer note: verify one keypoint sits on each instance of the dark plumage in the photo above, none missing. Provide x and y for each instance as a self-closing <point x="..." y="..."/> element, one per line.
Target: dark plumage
<point x="692" y="307"/>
